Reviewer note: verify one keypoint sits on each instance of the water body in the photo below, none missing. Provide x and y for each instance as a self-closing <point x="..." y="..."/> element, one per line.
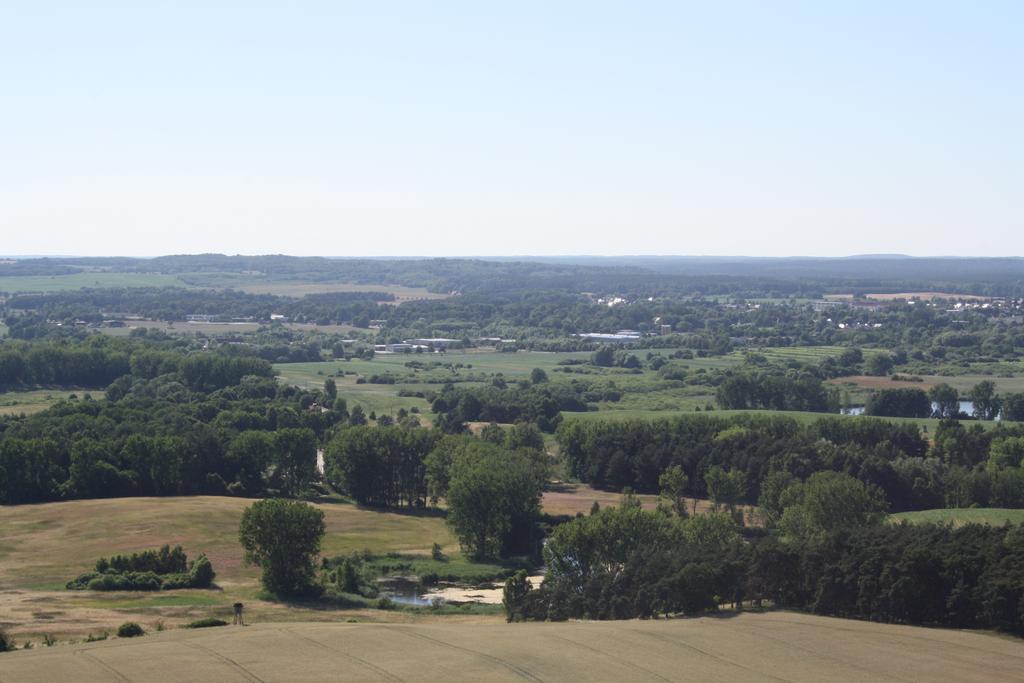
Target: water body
<point x="405" y="592"/>
<point x="410" y="592"/>
<point x="965" y="407"/>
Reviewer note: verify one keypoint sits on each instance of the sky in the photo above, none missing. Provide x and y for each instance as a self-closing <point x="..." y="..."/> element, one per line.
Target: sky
<point x="820" y="128"/>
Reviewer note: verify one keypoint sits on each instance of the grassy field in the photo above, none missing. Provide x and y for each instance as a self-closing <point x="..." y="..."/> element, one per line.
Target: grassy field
<point x="644" y="395"/>
<point x="730" y="647"/>
<point x="29" y="402"/>
<point x="383" y="398"/>
<point x="960" y="516"/>
<point x="62" y="283"/>
<point x="43" y="546"/>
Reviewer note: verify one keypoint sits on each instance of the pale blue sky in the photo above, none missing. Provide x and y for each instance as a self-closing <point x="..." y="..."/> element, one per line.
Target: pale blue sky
<point x="443" y="128"/>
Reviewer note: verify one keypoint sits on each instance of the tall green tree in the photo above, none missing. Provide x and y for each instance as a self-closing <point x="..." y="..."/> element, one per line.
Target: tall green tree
<point x="826" y="502"/>
<point x="725" y="487"/>
<point x="673" y="482"/>
<point x="946" y="400"/>
<point x="494" y="501"/>
<point x="283" y="538"/>
<point x="986" y="402"/>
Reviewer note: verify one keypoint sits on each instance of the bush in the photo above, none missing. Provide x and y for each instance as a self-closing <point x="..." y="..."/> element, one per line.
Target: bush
<point x="112" y="576"/>
<point x="129" y="629"/>
<point x="5" y="642"/>
<point x="203" y="573"/>
<point x="133" y="581"/>
<point x="206" y="623"/>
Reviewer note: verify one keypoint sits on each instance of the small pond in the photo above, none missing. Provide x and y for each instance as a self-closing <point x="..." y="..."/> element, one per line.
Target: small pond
<point x="409" y="591"/>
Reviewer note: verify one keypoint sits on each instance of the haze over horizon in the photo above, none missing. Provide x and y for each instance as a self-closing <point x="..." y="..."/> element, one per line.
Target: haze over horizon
<point x="457" y="130"/>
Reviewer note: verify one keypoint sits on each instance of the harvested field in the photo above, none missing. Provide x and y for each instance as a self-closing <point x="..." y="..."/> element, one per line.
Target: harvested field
<point x="744" y="647"/>
<point x="571" y="499"/>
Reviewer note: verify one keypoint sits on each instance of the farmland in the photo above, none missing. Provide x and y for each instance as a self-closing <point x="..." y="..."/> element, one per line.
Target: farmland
<point x="34" y="401"/>
<point x="63" y="283"/>
<point x="249" y="283"/>
<point x="960" y="516"/>
<point x="733" y="647"/>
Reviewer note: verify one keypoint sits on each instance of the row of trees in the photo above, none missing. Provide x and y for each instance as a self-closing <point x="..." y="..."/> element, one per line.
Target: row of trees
<point x="964" y="467"/>
<point x="790" y="390"/>
<point x="98" y="363"/>
<point x="624" y="562"/>
<point x="158" y="437"/>
<point x="943" y="401"/>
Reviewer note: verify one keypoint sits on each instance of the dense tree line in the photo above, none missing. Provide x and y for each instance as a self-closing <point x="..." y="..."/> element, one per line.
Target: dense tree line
<point x="791" y="390"/>
<point x="965" y="466"/>
<point x="71" y="365"/>
<point x="166" y="429"/>
<point x="622" y="563"/>
<point x="504" y="403"/>
<point x="99" y="361"/>
<point x="904" y="402"/>
<point x="381" y="466"/>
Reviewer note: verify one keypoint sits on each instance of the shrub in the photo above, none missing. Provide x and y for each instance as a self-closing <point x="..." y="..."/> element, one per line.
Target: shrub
<point x="206" y="623"/>
<point x="386" y="603"/>
<point x="166" y="560"/>
<point x="129" y="629"/>
<point x="5" y="642"/>
<point x="112" y="576"/>
<point x="134" y="581"/>
<point x="172" y="582"/>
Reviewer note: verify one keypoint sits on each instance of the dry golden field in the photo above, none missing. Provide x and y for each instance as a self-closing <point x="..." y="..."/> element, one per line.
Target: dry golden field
<point x="746" y="647"/>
